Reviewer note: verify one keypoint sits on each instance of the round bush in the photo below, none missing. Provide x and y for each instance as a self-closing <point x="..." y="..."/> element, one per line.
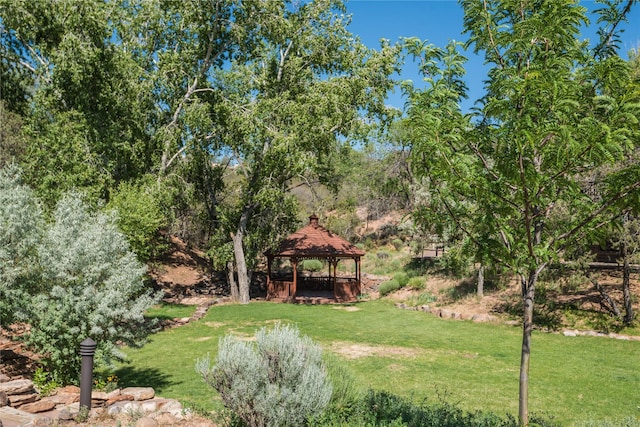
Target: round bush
<point x="397" y="244"/>
<point x="388" y="287"/>
<point x="312" y="265"/>
<point x="417" y="282"/>
<point x="278" y="380"/>
<point x="401" y="278"/>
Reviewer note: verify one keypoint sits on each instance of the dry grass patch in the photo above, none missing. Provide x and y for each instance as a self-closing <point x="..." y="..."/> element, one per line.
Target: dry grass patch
<point x="356" y="351"/>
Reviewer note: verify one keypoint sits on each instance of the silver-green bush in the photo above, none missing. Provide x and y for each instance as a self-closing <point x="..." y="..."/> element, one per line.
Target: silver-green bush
<point x="277" y="380"/>
<point x="20" y="232"/>
<point x="71" y="278"/>
<point x="94" y="288"/>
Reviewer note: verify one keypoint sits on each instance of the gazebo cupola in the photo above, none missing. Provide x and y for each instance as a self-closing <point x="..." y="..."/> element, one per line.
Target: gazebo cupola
<point x="314" y="242"/>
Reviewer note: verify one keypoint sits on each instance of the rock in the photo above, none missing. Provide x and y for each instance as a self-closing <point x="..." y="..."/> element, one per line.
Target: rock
<point x="4" y="399"/>
<point x="570" y="333"/>
<point x="4" y="378"/>
<point x="425" y="308"/>
<point x="12" y="416"/>
<point x="21" y="399"/>
<point x="99" y="395"/>
<point x="70" y="389"/>
<point x="17" y="387"/>
<point x="164" y="419"/>
<point x="39" y="406"/>
<point x="171" y="406"/>
<point x="466" y="316"/>
<point x="140" y="393"/>
<point x="63" y="399"/>
<point x="65" y="414"/>
<point x="446" y="314"/>
<point x="96" y="413"/>
<point x="119" y="398"/>
<point x="483" y="318"/>
<point x="146" y="422"/>
<point x="148" y="406"/>
<point x="43" y="422"/>
<point x="114" y="393"/>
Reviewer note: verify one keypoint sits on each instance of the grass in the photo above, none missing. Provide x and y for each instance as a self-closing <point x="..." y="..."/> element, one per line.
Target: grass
<point x="415" y="355"/>
<point x="170" y="311"/>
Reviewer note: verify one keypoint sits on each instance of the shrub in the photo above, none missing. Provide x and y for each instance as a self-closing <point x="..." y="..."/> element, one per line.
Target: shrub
<point x="422" y="299"/>
<point x="346" y="393"/>
<point x="278" y="380"/>
<point x="402" y="278"/>
<point x="397" y="244"/>
<point x="312" y="265"/>
<point x="388" y="287"/>
<point x="416" y="282"/>
<point x="626" y="422"/>
<point x="380" y="408"/>
<point x="140" y="218"/>
<point x="95" y="288"/>
<point x="20" y="232"/>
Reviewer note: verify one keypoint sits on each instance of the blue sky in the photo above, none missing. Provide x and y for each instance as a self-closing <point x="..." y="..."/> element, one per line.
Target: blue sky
<point x="439" y="21"/>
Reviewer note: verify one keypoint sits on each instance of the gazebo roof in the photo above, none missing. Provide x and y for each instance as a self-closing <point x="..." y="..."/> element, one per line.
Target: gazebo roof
<point x="313" y="240"/>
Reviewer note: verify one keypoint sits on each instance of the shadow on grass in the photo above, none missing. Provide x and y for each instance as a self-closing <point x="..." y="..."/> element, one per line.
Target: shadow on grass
<point x="149" y="377"/>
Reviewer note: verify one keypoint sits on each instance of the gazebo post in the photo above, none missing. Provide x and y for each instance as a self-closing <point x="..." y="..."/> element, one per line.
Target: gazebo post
<point x="292" y="292"/>
<point x="269" y="283"/>
<point x="334" y="262"/>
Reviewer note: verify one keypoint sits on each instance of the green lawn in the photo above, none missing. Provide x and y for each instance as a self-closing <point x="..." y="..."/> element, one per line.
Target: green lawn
<point x="416" y="355"/>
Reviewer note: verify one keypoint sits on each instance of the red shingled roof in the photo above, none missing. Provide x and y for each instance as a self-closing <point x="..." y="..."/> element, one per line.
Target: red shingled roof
<point x="313" y="240"/>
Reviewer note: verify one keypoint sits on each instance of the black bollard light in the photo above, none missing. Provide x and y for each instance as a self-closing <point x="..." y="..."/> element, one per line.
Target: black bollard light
<point x="87" y="350"/>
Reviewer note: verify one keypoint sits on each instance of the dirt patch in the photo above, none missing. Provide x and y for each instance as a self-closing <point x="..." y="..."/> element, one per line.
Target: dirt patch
<point x="346" y="308"/>
<point x="356" y="351"/>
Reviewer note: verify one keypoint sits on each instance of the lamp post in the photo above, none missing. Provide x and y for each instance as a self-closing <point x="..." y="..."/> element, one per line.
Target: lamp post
<point x="87" y="350"/>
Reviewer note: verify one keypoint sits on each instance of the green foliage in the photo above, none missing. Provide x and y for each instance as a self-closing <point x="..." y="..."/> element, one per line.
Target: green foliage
<point x="44" y="382"/>
<point x="402" y="278"/>
<point x="421" y="299"/>
<point x="12" y="144"/>
<point x="622" y="422"/>
<point x="140" y="217"/>
<point x="388" y="287"/>
<point x="78" y="279"/>
<point x="347" y="393"/>
<point x="380" y="408"/>
<point x="417" y="282"/>
<point x="106" y="383"/>
<point x="278" y="380"/>
<point x="456" y="261"/>
<point x="397" y="244"/>
<point x="501" y="174"/>
<point x="312" y="265"/>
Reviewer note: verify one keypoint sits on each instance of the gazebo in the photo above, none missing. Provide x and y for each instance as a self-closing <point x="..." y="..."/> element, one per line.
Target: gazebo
<point x="313" y="242"/>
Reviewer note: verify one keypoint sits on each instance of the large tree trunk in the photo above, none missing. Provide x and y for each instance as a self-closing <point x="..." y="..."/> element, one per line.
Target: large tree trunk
<point x="233" y="285"/>
<point x="528" y="293"/>
<point x="238" y="253"/>
<point x="480" y="289"/>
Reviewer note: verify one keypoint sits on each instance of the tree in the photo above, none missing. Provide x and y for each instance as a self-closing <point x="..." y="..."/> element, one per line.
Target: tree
<point x="70" y="279"/>
<point x="553" y="110"/>
<point x="289" y="103"/>
<point x="92" y="285"/>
